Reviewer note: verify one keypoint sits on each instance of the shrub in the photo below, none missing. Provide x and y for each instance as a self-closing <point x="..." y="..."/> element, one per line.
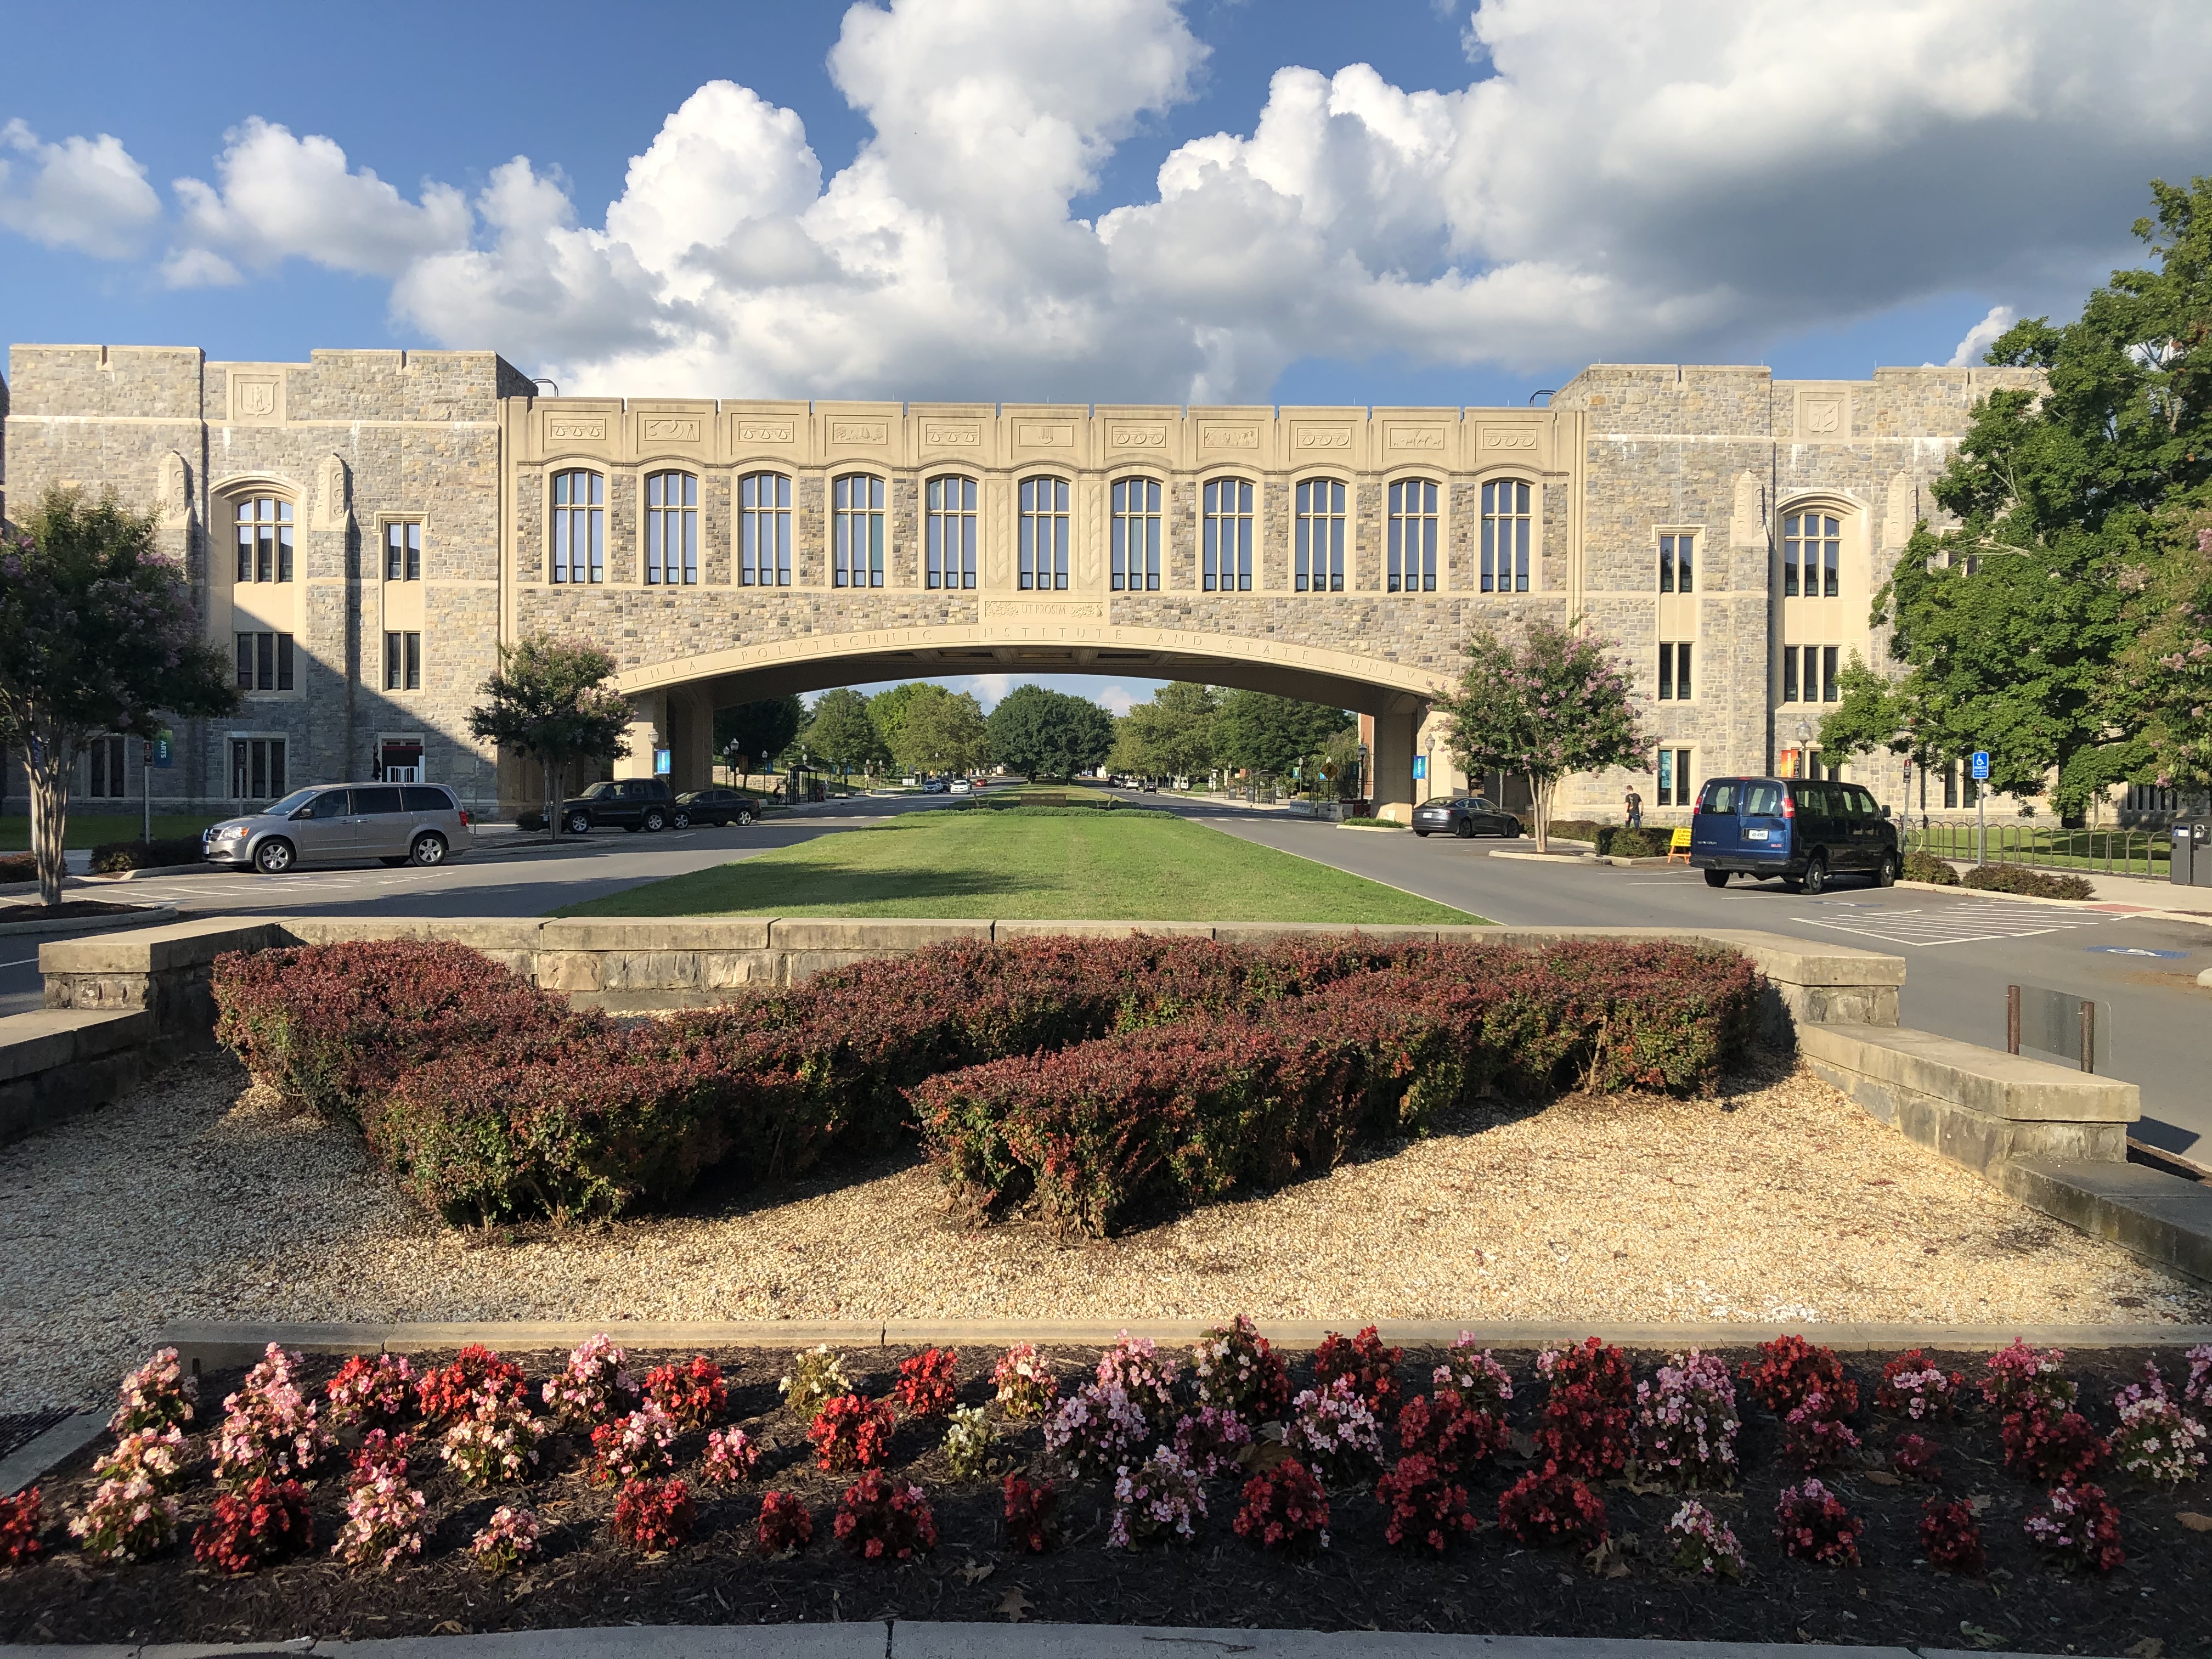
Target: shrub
<point x="1951" y="1538"/>
<point x="1371" y="1367"/>
<point x="692" y="1394"/>
<point x="654" y="1517"/>
<point x="2080" y="1525"/>
<point x="1585" y="1424"/>
<point x="1814" y="1525"/>
<point x="21" y="1516"/>
<point x="1576" y="829"/>
<point x="1284" y="1509"/>
<point x="851" y="1432"/>
<point x="1027" y="1387"/>
<point x="1162" y="1500"/>
<point x="2020" y="1378"/>
<point x="2156" y="1440"/>
<point x="731" y="1457"/>
<point x="1550" y="1506"/>
<point x="19" y="867"/>
<point x="1334" y="1433"/>
<point x="1926" y="866"/>
<point x="1701" y="1543"/>
<point x="384" y="1517"/>
<point x="1789" y="1368"/>
<point x="2035" y="884"/>
<point x="881" y="1519"/>
<point x="814" y="1376"/>
<point x="1912" y="1388"/>
<point x="266" y="1523"/>
<point x="114" y="857"/>
<point x="925" y="1385"/>
<point x="495" y="1443"/>
<point x="1916" y="1458"/>
<point x="132" y="1513"/>
<point x="370" y="1392"/>
<point x="1480" y="1381"/>
<point x="475" y="1375"/>
<point x="2044" y="1444"/>
<point x="1426" y="1505"/>
<point x="1687" y="1422"/>
<point x="1211" y="1440"/>
<point x="967" y="1443"/>
<point x="633" y="1448"/>
<point x="1616" y="841"/>
<point x="531" y="820"/>
<point x="1813" y="1437"/>
<point x="785" y="1524"/>
<point x="506" y="1541"/>
<point x="1096" y="1430"/>
<point x="1029" y="1514"/>
<point x="1137" y="1367"/>
<point x="157" y="1395"/>
<point x="1443" y="1429"/>
<point x="268" y="1426"/>
<point x="1233" y="1368"/>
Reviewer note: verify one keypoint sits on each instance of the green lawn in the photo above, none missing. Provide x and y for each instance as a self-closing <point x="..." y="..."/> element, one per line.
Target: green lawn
<point x="90" y="829"/>
<point x="1116" y="867"/>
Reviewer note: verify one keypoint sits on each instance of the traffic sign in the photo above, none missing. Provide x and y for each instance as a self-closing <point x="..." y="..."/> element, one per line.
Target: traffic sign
<point x="1981" y="764"/>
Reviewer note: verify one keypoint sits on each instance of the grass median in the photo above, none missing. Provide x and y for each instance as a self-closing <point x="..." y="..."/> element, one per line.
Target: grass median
<point x="1014" y="865"/>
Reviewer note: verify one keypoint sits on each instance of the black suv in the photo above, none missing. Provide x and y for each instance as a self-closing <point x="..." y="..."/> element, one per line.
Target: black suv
<point x="718" y="805"/>
<point x="634" y="803"/>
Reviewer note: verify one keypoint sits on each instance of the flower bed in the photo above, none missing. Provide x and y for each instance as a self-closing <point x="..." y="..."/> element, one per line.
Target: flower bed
<point x="1402" y="1541"/>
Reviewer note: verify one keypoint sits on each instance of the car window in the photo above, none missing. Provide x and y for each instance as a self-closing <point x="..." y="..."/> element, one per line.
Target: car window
<point x="1863" y="803"/>
<point x="1762" y="800"/>
<point x="384" y="799"/>
<point x="1481" y="805"/>
<point x="332" y="803"/>
<point x="420" y="798"/>
<point x="291" y="803"/>
<point x="602" y="791"/>
<point x="1719" y="797"/>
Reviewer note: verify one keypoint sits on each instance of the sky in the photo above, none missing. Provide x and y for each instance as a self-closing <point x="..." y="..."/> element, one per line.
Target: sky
<point x="1215" y="201"/>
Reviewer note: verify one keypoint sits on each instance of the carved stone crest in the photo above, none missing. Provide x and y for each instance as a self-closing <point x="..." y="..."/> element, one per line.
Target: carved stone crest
<point x="333" y="495"/>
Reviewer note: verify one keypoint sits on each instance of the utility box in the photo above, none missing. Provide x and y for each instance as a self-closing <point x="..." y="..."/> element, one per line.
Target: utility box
<point x="2200" y="854"/>
<point x="2181" y="872"/>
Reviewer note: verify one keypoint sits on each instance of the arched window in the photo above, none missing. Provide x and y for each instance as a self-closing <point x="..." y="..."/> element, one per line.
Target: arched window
<point x="579" y="528"/>
<point x="1135" y="554"/>
<point x="1412" y="560"/>
<point x="1044" y="551"/>
<point x="949" y="536"/>
<point x="1505" y="536"/>
<point x="1317" y="561"/>
<point x="764" y="529"/>
<point x="1225" y="541"/>
<point x="671" y="528"/>
<point x="856" y="546"/>
<point x="264" y="539"/>
<point x="1812" y="542"/>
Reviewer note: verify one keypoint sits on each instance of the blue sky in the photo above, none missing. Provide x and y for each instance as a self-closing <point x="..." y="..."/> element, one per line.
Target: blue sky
<point x="1084" y="200"/>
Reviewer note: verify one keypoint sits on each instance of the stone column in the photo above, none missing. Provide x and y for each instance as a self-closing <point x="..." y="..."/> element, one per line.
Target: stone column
<point x="1390" y="759"/>
<point x="648" y="731"/>
<point x="691" y="736"/>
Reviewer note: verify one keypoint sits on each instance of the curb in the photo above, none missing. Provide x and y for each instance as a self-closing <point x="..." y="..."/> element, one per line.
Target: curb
<point x="1374" y="829"/>
<point x="56" y="1446"/>
<point x="153" y="916"/>
<point x="200" y="868"/>
<point x="1545" y="858"/>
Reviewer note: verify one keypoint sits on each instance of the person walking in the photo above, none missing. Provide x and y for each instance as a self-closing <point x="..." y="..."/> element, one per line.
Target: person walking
<point x="1634" y="807"/>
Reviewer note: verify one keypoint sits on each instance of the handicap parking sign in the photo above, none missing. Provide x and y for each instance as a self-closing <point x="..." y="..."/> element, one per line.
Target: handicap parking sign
<point x="1981" y="762"/>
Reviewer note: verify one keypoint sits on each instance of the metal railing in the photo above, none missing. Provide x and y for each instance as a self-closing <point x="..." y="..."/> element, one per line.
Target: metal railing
<point x="2114" y="852"/>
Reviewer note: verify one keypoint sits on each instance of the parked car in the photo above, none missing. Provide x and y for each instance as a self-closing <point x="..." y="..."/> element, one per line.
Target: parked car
<point x="392" y="823"/>
<point x="961" y="786"/>
<point x="720" y="804"/>
<point x="1464" y="815"/>
<point x="935" y="786"/>
<point x="1803" y="830"/>
<point x="635" y="804"/>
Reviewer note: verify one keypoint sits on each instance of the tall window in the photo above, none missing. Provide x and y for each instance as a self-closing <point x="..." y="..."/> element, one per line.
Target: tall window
<point x="579" y="528"/>
<point x="1042" y="558"/>
<point x="1136" y="550"/>
<point x="1819" y="681"/>
<point x="1677" y="560"/>
<point x="257" y="768"/>
<point x="1506" y="537"/>
<point x="671" y="528"/>
<point x="1811" y="542"/>
<point x="403" y="662"/>
<point x="1225" y="542"/>
<point x="106" y="758"/>
<point x="1675" y="787"/>
<point x="949" y="535"/>
<point x="1412" y="555"/>
<point x="764" y="529"/>
<point x="402" y="552"/>
<point x="265" y="662"/>
<point x="1317" y="558"/>
<point x="1674" y="672"/>
<point x="856" y="545"/>
<point x="264" y="539"/>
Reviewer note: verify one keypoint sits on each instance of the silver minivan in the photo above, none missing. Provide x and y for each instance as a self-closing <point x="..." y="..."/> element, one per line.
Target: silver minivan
<point x="392" y="823"/>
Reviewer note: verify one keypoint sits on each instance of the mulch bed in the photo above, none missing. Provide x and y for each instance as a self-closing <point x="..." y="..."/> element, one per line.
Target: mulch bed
<point x="67" y="910"/>
<point x="720" y="1576"/>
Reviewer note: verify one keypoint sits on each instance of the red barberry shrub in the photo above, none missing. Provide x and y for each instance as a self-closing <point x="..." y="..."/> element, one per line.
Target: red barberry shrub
<point x="266" y="1523"/>
<point x="693" y="1395"/>
<point x="447" y="1392"/>
<point x="1814" y="1525"/>
<point x="1284" y="1509"/>
<point x="1443" y="1429"/>
<point x="786" y="1524"/>
<point x="1427" y="1507"/>
<point x="851" y="1432"/>
<point x="1950" y="1536"/>
<point x="1236" y="1370"/>
<point x="1030" y="1525"/>
<point x="1550" y="1506"/>
<point x="883" y="1519"/>
<point x="2044" y="1444"/>
<point x="1813" y="1437"/>
<point x="1372" y="1369"/>
<point x="1788" y="1369"/>
<point x="1916" y="1458"/>
<point x="654" y="1517"/>
<point x="1914" y="1386"/>
<point x="20" y="1518"/>
<point x="925" y="1381"/>
<point x="1585" y="1426"/>
<point x="2079" y="1524"/>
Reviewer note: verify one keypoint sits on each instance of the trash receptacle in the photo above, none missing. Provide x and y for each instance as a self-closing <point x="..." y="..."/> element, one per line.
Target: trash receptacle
<point x="2178" y="871"/>
<point x="2200" y="854"/>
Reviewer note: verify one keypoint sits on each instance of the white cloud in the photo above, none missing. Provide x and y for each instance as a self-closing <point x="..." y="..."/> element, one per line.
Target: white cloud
<point x="1983" y="335"/>
<point x="83" y="193"/>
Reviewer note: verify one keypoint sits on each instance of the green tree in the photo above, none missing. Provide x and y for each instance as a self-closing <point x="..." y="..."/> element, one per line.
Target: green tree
<point x="1555" y="704"/>
<point x="755" y="734"/>
<point x="887" y="708"/>
<point x="1049" y="734"/>
<point x="838" y="731"/>
<point x="97" y="634"/>
<point x="1269" y="735"/>
<point x="941" y="730"/>
<point x="1873" y="711"/>
<point x="550" y="699"/>
<point x="2169" y="660"/>
<point x="1171" y="736"/>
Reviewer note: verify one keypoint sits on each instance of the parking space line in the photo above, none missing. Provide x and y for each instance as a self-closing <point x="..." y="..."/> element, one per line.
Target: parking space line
<point x="1967" y="923"/>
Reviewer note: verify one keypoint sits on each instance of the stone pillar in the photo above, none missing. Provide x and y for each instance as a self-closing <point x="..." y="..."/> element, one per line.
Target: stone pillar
<point x="691" y="737"/>
<point x="648" y="731"/>
<point x="1390" y="760"/>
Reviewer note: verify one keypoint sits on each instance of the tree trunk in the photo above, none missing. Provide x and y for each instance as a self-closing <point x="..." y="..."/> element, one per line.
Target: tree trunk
<point x="50" y="781"/>
<point x="552" y="778"/>
<point x="1540" y="794"/>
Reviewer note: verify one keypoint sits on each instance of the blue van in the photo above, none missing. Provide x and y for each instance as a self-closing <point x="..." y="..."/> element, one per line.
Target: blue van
<point x="1806" y="830"/>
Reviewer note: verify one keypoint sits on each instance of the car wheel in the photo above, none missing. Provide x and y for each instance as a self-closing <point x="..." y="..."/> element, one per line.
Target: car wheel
<point x="429" y="851"/>
<point x="1464" y="829"/>
<point x="656" y="820"/>
<point x="1885" y="873"/>
<point x="274" y="857"/>
<point x="1423" y="834"/>
<point x="579" y="824"/>
<point x="1816" y="874"/>
<point x="679" y="819"/>
<point x="1717" y="878"/>
<point x="743" y="819"/>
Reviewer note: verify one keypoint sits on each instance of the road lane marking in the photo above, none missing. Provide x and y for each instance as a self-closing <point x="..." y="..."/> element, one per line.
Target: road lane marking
<point x="1970" y="922"/>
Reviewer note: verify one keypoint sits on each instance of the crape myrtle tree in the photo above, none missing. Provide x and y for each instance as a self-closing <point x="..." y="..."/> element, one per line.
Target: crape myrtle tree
<point x="755" y="734"/>
<point x="1554" y="704"/>
<point x="1170" y="737"/>
<point x="97" y="634"/>
<point x="1269" y="736"/>
<point x="1043" y="733"/>
<point x="550" y="699"/>
<point x="838" y="731"/>
<point x="941" y="730"/>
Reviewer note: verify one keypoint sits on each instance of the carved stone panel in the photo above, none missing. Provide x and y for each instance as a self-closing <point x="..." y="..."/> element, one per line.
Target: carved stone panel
<point x="333" y="495"/>
<point x="257" y="400"/>
<point x="1747" y="522"/>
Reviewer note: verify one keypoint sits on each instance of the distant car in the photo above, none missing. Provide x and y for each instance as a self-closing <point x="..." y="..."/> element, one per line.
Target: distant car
<point x="719" y="806"/>
<point x="1802" y="829"/>
<point x="395" y="824"/>
<point x="633" y="804"/>
<point x="935" y="786"/>
<point x="1464" y="815"/>
<point x="961" y="787"/>
<point x="1148" y="787"/>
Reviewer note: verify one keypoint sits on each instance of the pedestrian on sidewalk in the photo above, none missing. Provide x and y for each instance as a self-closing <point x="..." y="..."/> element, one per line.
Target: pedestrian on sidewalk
<point x="1634" y="807"/>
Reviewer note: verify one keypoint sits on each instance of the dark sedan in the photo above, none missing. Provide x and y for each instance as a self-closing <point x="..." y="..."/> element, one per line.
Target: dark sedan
<point x="719" y="806"/>
<point x="1464" y="815"/>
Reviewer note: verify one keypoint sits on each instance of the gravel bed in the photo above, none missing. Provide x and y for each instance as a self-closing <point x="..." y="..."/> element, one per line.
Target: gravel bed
<point x="1777" y="1199"/>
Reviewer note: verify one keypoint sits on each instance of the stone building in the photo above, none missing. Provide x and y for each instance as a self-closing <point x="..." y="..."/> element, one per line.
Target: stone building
<point x="362" y="530"/>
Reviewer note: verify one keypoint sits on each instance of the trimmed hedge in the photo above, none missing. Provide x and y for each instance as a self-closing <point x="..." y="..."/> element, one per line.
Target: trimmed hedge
<point x="1926" y="866"/>
<point x="2021" y="879"/>
<point x="112" y="856"/>
<point x="19" y="867"/>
